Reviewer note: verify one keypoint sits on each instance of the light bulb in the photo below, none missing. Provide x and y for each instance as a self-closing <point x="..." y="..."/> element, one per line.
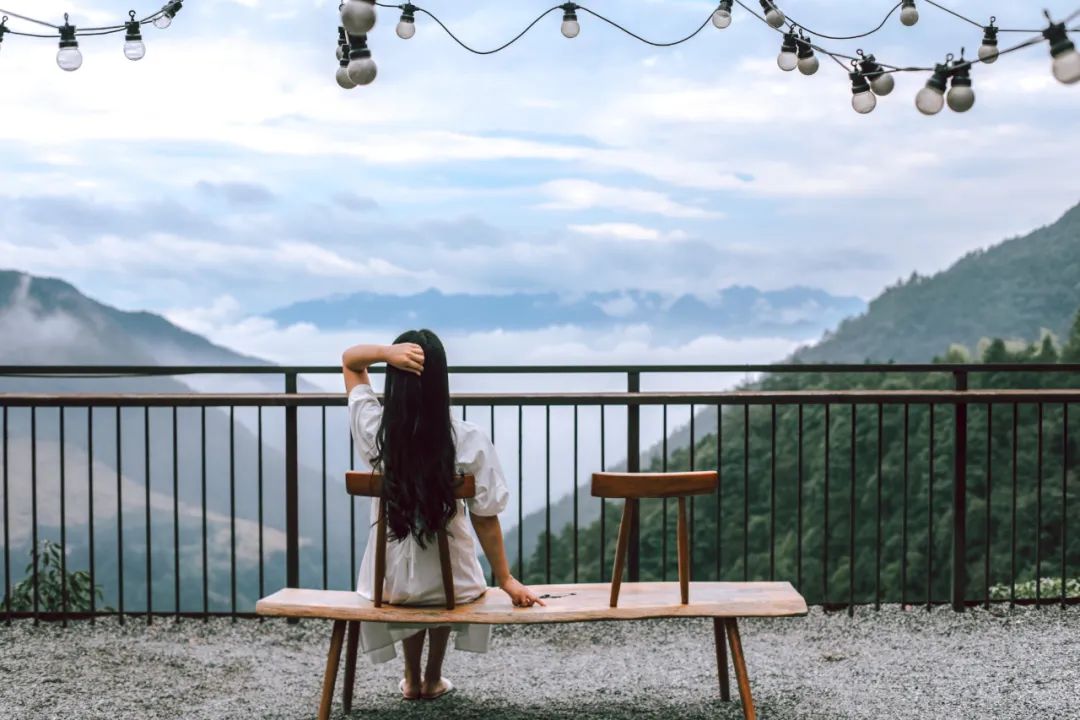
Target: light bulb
<point x="808" y="63"/>
<point x="862" y="100"/>
<point x="883" y="84"/>
<point x="343" y="79"/>
<point x="1066" y="65"/>
<point x="68" y="56"/>
<point x="721" y="19"/>
<point x="909" y="14"/>
<point x="570" y="26"/>
<point x="163" y="21"/>
<point x="69" y="59"/>
<point x="134" y="49"/>
<point x="406" y="30"/>
<point x="988" y="51"/>
<point x="787" y="59"/>
<point x="961" y="97"/>
<point x="931" y="98"/>
<point x="362" y="70"/>
<point x="358" y="16"/>
<point x="773" y="16"/>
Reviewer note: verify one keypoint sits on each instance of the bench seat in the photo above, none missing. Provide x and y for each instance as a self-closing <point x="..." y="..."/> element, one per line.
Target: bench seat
<point x="579" y="603"/>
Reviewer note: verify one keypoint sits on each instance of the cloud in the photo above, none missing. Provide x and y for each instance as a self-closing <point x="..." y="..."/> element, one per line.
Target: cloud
<point x="577" y="194"/>
<point x="629" y="231"/>
<point x="237" y="193"/>
<point x="354" y="202"/>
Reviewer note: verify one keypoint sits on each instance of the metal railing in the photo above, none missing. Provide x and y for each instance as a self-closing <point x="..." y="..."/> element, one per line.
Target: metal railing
<point x="784" y="471"/>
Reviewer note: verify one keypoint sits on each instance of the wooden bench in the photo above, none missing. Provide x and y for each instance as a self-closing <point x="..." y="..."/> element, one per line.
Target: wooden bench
<point x="724" y="602"/>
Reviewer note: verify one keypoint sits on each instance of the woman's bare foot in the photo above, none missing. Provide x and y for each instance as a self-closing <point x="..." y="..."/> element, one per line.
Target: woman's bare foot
<point x="409" y="691"/>
<point x="432" y="690"/>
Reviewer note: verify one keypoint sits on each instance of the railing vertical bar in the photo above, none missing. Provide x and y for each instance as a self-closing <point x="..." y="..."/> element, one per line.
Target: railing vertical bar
<point x="633" y="464"/>
<point x="259" y="481"/>
<point x="7" y="527"/>
<point x="852" y="507"/>
<point x="930" y="516"/>
<point x="959" y="497"/>
<point x="603" y="503"/>
<point x="232" y="510"/>
<point x="825" y="514"/>
<point x="176" y="514"/>
<point x="1064" y="502"/>
<point x="799" y="504"/>
<point x="119" y="518"/>
<point x="325" y="546"/>
<point x="575" y="494"/>
<point x="746" y="494"/>
<point x="664" y="509"/>
<point x="202" y="480"/>
<point x="33" y="507"/>
<point x="63" y="521"/>
<point x="1012" y="524"/>
<point x="693" y="445"/>
<point x="877" y="512"/>
<point x="292" y="489"/>
<point x="547" y="494"/>
<point x="989" y="487"/>
<point x="772" y="494"/>
<point x="520" y="495"/>
<point x="89" y="508"/>
<point x="719" y="488"/>
<point x="904" y="520"/>
<point x="149" y="539"/>
<point x="493" y="442"/>
<point x="1038" y="510"/>
<point x="464" y="413"/>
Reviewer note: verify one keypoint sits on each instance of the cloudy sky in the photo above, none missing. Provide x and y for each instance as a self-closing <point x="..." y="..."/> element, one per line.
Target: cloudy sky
<point x="226" y="174"/>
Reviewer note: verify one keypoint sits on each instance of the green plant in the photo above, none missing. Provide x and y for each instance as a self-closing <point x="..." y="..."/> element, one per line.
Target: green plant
<point x="1049" y="588"/>
<point x="50" y="584"/>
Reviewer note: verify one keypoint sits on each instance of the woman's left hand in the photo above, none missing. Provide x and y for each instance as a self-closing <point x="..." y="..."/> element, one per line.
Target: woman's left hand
<point x="519" y="594"/>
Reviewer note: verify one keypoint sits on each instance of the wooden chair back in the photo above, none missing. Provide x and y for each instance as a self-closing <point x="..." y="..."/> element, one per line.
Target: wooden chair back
<point x="370" y="484"/>
<point x="634" y="486"/>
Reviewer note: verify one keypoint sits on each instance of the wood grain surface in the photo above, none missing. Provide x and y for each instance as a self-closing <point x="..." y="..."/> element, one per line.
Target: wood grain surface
<point x="571" y="603"/>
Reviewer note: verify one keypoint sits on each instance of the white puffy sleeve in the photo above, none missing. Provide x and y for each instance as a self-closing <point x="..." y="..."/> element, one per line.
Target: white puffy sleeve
<point x="477" y="456"/>
<point x="365" y="415"/>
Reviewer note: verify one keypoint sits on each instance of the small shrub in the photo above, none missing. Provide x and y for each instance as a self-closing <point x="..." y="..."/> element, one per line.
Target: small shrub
<point x="51" y="585"/>
<point x="1049" y="589"/>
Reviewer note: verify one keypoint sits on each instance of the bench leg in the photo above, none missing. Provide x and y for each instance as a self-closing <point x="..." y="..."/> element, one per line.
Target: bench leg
<point x="720" y="637"/>
<point x="739" y="661"/>
<point x="350" y="665"/>
<point x="332" y="660"/>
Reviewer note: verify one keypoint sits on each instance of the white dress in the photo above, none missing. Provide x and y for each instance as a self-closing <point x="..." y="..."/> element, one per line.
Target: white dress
<point x="414" y="575"/>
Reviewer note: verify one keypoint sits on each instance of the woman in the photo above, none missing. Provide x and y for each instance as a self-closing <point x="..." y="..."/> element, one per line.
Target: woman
<point x="419" y="447"/>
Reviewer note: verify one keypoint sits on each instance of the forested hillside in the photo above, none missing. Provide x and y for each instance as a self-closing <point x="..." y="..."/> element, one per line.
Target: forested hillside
<point x="910" y="491"/>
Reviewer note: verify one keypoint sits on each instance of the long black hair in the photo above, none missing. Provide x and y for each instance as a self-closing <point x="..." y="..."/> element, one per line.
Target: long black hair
<point x="415" y="445"/>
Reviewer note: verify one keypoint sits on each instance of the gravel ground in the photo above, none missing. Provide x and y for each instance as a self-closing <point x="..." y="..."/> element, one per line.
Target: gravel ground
<point x="1021" y="663"/>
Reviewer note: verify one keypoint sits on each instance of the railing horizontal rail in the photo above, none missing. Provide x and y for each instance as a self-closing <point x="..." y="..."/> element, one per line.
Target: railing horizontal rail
<point x="98" y="371"/>
<point x="799" y="397"/>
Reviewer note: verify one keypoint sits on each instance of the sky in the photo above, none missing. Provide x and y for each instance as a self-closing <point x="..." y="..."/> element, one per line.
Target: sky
<point x="226" y="174"/>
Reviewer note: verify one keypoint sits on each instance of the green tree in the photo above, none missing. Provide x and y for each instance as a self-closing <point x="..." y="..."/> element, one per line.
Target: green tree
<point x="1071" y="352"/>
<point x="50" y="584"/>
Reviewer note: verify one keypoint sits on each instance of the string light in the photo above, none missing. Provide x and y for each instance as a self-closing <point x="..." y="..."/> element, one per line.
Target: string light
<point x="134" y="48"/>
<point x="808" y="62"/>
<point x="722" y="17"/>
<point x="862" y="100"/>
<point x="787" y="59"/>
<point x="406" y="26"/>
<point x="164" y="20"/>
<point x="988" y="51"/>
<point x="961" y="97"/>
<point x="342" y="44"/>
<point x="881" y="82"/>
<point x="342" y="75"/>
<point x="68" y="57"/>
<point x="570" y="26"/>
<point x="1066" y="65"/>
<point x="773" y="15"/>
<point x="361" y="67"/>
<point x="909" y="14"/>
<point x="358" y="16"/>
<point x="931" y="98"/>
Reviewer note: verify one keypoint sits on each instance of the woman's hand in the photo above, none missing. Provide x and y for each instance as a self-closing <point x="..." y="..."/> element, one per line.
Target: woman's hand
<point x="519" y="594"/>
<point x="406" y="356"/>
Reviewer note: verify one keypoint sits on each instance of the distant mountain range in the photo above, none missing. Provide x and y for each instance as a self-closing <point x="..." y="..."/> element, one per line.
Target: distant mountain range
<point x="735" y="312"/>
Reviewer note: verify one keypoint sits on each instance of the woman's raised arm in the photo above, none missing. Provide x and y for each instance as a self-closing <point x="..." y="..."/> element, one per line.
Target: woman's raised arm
<point x="356" y="360"/>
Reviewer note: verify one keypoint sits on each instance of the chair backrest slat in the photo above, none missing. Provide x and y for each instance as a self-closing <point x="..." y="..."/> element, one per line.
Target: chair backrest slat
<point x="370" y="484"/>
